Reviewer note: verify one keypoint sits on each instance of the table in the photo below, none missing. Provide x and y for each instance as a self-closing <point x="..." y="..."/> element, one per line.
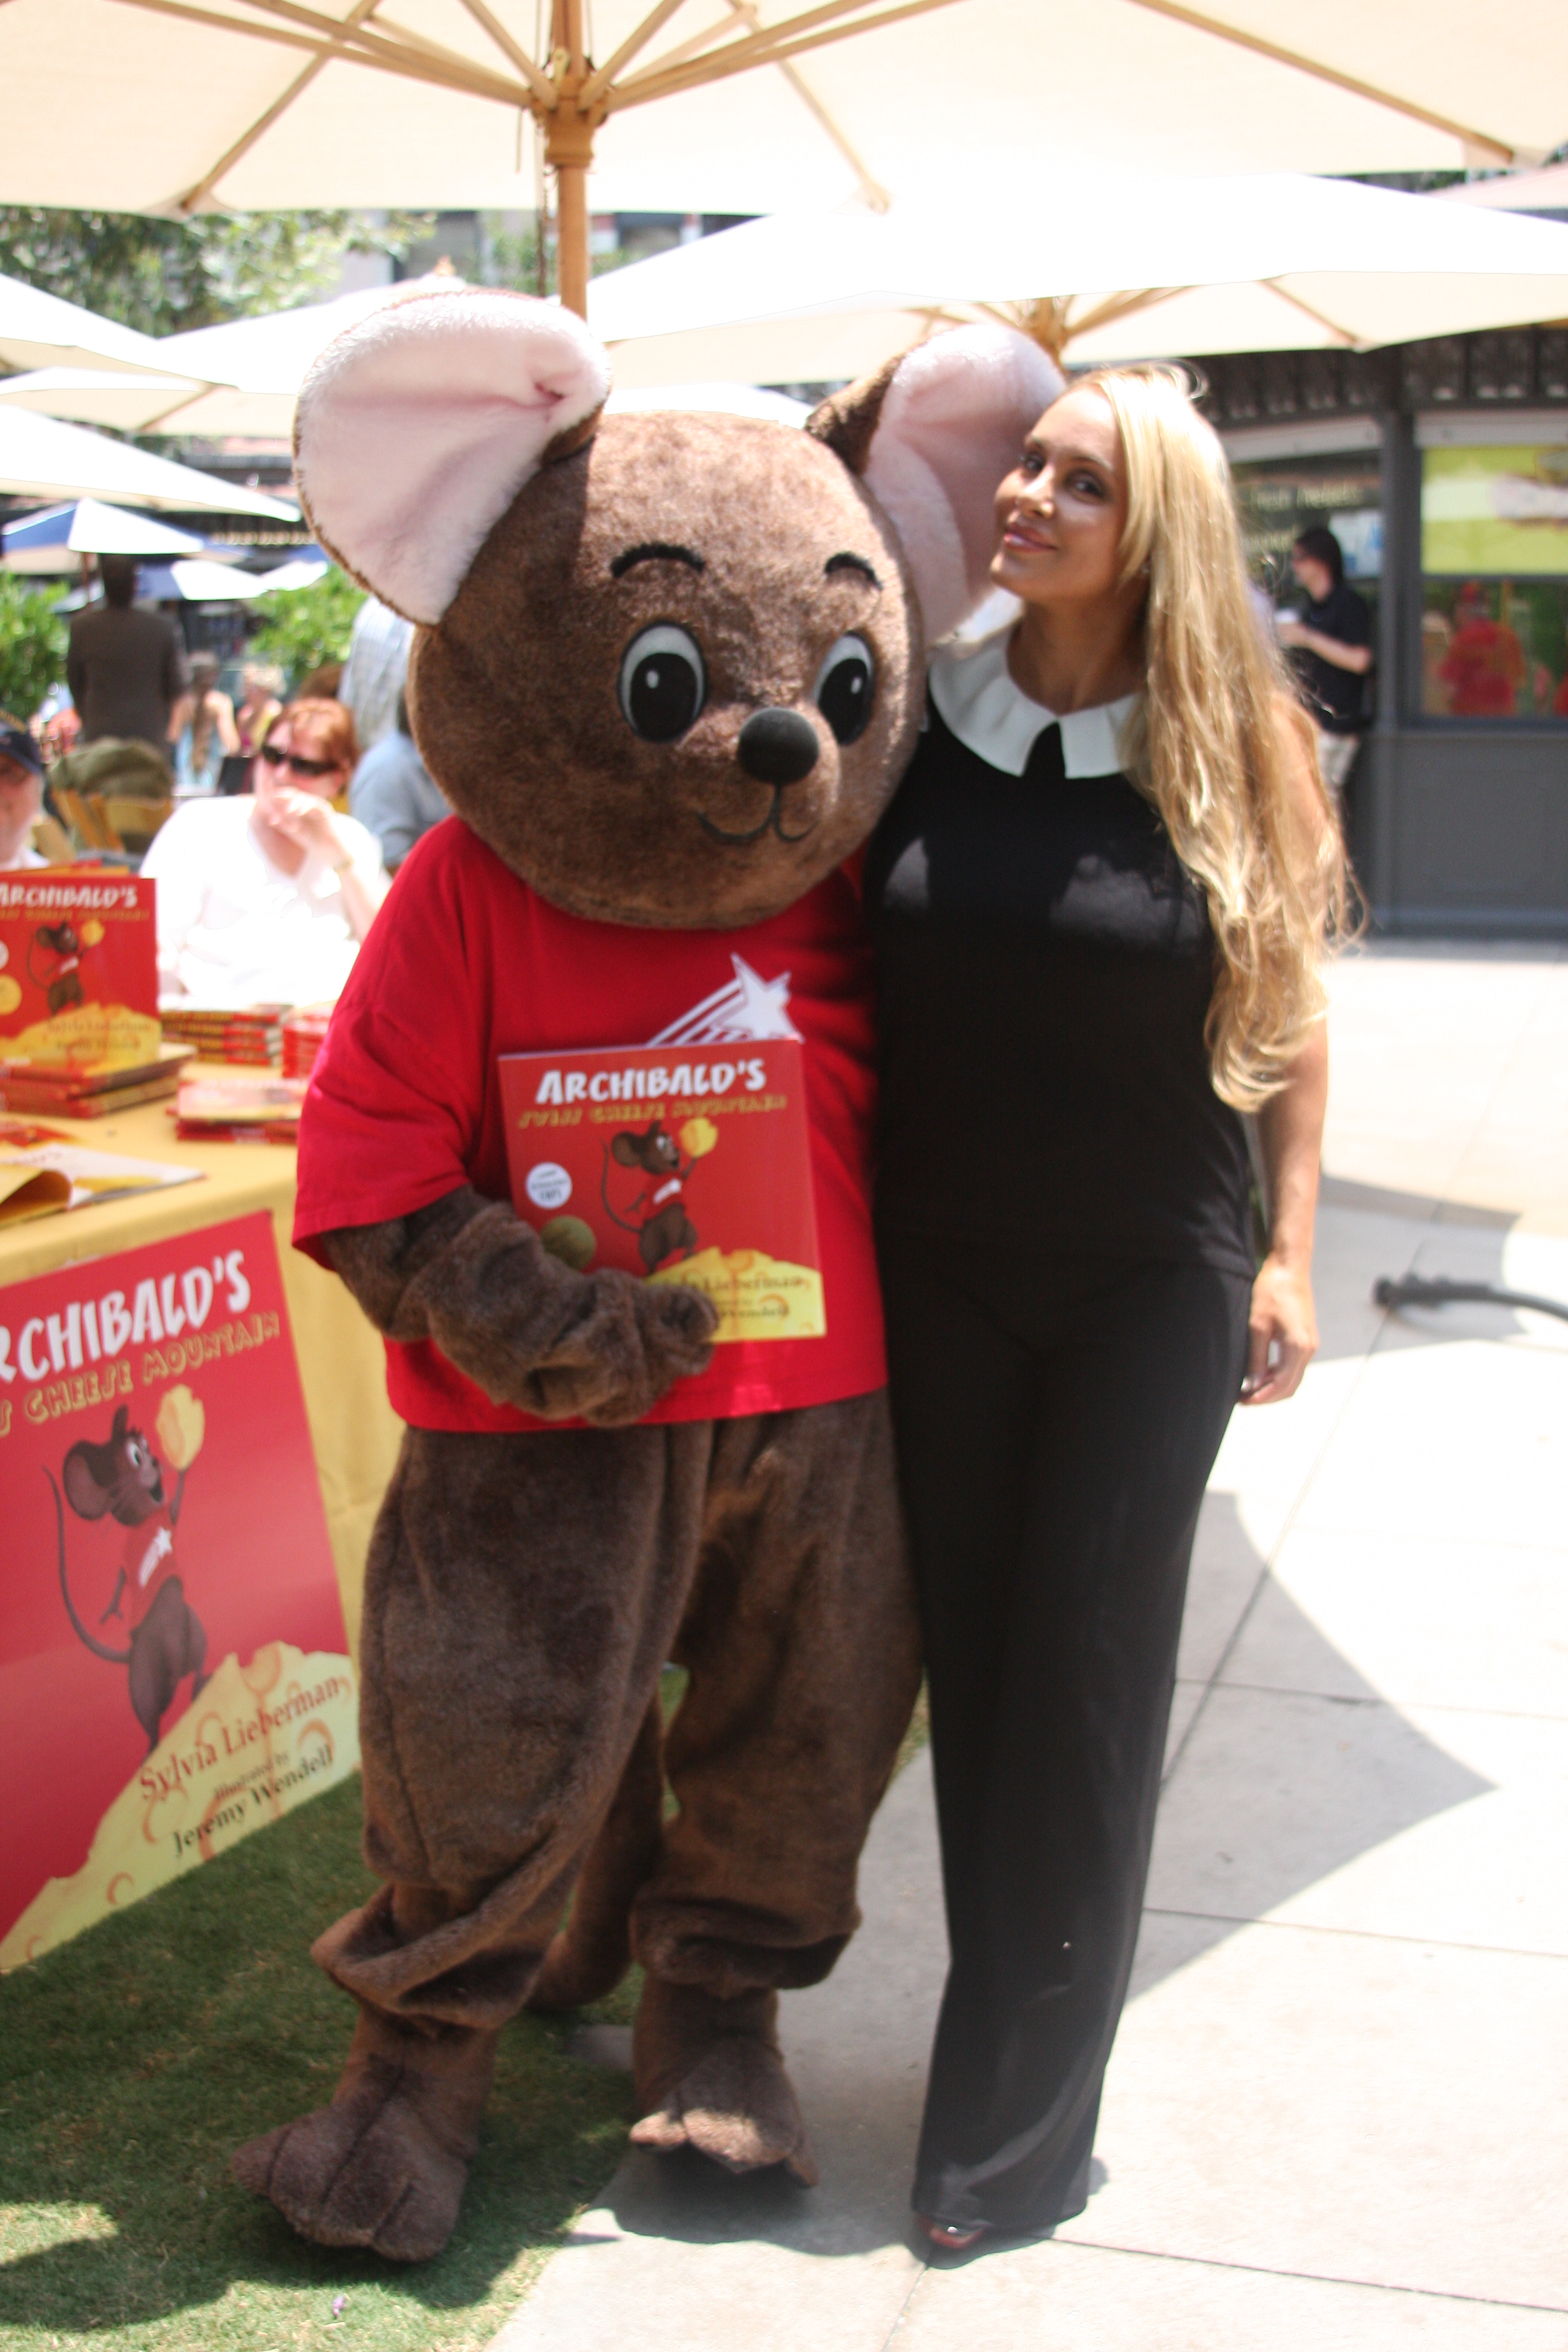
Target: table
<point x="353" y="1430"/>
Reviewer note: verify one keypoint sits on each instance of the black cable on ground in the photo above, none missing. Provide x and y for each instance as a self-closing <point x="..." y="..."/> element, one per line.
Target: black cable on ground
<point x="1437" y="1290"/>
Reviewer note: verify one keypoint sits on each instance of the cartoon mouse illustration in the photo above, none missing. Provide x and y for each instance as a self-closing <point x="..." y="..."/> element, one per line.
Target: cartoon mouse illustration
<point x="61" y="979"/>
<point x="665" y="1227"/>
<point x="124" y="1477"/>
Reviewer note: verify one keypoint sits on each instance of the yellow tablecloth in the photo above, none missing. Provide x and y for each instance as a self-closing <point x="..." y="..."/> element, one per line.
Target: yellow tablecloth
<point x="354" y="1429"/>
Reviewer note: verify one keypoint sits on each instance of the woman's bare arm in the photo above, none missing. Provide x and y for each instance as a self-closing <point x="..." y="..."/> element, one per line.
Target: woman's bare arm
<point x="1282" y="1327"/>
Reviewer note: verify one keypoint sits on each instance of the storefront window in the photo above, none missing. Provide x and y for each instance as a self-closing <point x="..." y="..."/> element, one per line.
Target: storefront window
<point x="1280" y="497"/>
<point x="1494" y="590"/>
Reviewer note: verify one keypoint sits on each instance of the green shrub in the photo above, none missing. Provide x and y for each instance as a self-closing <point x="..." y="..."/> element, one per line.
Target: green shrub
<point x="32" y="646"/>
<point x="303" y="627"/>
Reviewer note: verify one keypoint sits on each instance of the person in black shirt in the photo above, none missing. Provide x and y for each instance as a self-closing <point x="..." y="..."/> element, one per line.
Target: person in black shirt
<point x="1098" y="901"/>
<point x="1332" y="647"/>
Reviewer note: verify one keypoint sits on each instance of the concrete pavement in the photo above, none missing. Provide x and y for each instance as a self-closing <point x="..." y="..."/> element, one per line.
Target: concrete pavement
<point x="1335" y="2112"/>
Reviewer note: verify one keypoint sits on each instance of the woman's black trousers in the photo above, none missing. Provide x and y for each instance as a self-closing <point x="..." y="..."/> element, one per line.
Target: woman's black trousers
<point x="1057" y="1419"/>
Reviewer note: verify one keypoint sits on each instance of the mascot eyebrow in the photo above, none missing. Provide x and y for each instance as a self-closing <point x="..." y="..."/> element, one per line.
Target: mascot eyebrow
<point x="655" y="550"/>
<point x="847" y="563"/>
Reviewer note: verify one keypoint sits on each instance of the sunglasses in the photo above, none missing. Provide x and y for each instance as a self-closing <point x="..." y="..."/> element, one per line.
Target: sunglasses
<point x="276" y="757"/>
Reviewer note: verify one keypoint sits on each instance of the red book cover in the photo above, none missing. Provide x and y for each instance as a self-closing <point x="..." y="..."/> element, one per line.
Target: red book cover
<point x="678" y="1165"/>
<point x="173" y="1671"/>
<point x="79" y="970"/>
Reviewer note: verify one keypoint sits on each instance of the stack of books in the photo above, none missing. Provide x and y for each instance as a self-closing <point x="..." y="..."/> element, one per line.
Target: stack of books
<point x="304" y="1034"/>
<point x="250" y="1034"/>
<point x="241" y="1106"/>
<point x="90" y="1090"/>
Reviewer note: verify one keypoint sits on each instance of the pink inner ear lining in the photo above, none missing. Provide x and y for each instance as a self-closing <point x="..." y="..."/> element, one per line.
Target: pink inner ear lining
<point x="419" y="428"/>
<point x="952" y="421"/>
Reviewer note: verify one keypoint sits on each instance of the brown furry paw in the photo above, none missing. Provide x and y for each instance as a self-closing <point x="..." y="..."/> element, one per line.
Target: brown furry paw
<point x="730" y="2097"/>
<point x="384" y="2165"/>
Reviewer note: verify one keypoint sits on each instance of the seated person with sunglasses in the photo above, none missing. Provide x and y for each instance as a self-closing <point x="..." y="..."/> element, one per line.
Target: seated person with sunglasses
<point x="263" y="899"/>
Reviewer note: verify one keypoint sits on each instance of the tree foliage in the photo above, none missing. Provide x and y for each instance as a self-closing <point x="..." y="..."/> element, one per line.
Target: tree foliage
<point x="162" y="277"/>
<point x="303" y="627"/>
<point x="32" y="646"/>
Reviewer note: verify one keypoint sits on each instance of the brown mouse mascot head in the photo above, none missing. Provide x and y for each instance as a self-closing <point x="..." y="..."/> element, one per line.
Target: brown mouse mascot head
<point x="669" y="666"/>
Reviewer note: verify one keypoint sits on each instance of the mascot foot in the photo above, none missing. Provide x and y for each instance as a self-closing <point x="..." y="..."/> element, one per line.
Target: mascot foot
<point x="709" y="2076"/>
<point x="384" y="2165"/>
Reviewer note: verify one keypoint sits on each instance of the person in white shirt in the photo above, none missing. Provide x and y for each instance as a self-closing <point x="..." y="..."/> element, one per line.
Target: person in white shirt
<point x="264" y="900"/>
<point x="21" y="797"/>
<point x="376" y="669"/>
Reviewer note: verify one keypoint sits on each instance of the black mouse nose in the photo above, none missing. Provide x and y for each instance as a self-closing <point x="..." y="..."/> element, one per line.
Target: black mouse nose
<point x="777" y="747"/>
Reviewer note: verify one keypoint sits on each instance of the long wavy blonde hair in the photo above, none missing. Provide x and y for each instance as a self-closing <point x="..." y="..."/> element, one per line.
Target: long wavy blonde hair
<point x="1205" y="741"/>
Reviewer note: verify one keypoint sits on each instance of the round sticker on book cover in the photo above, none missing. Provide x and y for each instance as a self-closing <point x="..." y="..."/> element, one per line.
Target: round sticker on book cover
<point x="548" y="1185"/>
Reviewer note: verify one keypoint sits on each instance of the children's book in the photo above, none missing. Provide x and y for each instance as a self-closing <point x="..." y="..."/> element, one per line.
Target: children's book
<point x="79" y="971"/>
<point x="677" y="1168"/>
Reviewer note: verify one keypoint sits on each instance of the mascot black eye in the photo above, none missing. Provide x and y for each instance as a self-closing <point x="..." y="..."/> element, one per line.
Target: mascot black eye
<point x="846" y="686"/>
<point x="662" y="683"/>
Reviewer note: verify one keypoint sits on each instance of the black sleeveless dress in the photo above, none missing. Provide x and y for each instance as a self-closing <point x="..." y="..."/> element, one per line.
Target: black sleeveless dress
<point x="1064" y="1231"/>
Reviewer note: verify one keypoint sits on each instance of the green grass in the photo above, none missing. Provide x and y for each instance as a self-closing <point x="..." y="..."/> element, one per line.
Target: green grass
<point x="134" y="2059"/>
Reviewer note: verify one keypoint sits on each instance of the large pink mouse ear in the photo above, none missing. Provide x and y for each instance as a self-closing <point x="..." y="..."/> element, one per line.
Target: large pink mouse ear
<point x="932" y="436"/>
<point x="418" y="427"/>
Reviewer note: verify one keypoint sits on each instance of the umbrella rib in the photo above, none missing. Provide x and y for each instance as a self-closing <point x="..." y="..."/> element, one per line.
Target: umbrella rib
<point x="242" y="146"/>
<point x="1331" y="74"/>
<point x="385" y="58"/>
<point x="542" y="86"/>
<point x="1341" y="335"/>
<point x="1120" y="306"/>
<point x="815" y="30"/>
<point x="691" y="47"/>
<point x="875" y="194"/>
<point x="599" y="81"/>
<point x="357" y="44"/>
<point x="368" y="46"/>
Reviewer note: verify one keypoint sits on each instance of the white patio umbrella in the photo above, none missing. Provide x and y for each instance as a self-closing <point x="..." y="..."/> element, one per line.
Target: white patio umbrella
<point x="302" y="570"/>
<point x="40" y="330"/>
<point x="274" y="354"/>
<point x="55" y="538"/>
<point x="744" y="105"/>
<point x="126" y="404"/>
<point x="707" y="399"/>
<point x="42" y="458"/>
<point x="240" y="379"/>
<point x="1545" y="191"/>
<point x="1099" y="271"/>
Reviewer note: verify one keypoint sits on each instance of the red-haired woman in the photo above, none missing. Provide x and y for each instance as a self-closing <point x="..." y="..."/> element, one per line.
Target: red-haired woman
<point x="263" y="899"/>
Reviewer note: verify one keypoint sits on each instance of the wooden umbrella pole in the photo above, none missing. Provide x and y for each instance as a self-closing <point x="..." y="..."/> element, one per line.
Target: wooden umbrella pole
<point x="569" y="131"/>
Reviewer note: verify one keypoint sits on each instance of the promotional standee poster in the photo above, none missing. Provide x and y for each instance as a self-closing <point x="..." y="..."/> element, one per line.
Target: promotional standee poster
<point x="677" y="1168"/>
<point x="173" y="1671"/>
<point x="79" y="970"/>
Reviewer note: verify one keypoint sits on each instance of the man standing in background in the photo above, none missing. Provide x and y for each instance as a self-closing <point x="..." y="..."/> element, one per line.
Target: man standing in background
<point x="394" y="795"/>
<point x="1332" y="642"/>
<point x="126" y="667"/>
<point x="376" y="669"/>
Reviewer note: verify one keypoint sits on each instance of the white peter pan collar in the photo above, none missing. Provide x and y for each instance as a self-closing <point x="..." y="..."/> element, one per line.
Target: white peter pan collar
<point x="974" y="690"/>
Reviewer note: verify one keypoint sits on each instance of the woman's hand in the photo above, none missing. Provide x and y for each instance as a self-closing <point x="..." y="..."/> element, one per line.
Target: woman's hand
<point x="309" y="820"/>
<point x="1281" y="1331"/>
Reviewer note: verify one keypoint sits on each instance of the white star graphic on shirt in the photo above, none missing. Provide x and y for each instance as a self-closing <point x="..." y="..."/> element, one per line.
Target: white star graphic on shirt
<point x="750" y="1010"/>
<point x="161" y="1545"/>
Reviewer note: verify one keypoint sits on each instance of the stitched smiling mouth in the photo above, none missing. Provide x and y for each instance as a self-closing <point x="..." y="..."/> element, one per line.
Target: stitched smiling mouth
<point x="771" y="822"/>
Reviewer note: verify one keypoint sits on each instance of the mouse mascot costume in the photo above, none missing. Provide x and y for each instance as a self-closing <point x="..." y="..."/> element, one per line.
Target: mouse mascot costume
<point x="669" y="668"/>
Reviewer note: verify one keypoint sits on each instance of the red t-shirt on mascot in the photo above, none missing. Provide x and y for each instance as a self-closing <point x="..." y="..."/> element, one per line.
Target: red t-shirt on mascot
<point x="465" y="963"/>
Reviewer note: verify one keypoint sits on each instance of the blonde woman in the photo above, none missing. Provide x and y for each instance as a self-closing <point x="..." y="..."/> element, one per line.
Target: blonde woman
<point x="1099" y="902"/>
